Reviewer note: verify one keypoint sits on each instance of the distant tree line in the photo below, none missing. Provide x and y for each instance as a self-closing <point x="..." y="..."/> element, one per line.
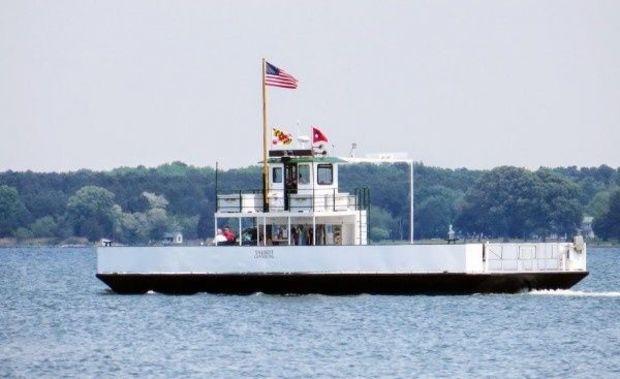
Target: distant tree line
<point x="138" y="205"/>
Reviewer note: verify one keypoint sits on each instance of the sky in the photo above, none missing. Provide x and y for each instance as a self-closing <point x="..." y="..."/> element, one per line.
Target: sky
<point x="476" y="84"/>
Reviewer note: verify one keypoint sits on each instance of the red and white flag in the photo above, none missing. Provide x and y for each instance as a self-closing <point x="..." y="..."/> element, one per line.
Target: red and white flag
<point x="318" y="136"/>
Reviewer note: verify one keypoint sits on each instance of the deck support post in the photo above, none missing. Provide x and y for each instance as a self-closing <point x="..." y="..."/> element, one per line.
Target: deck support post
<point x="313" y="229"/>
<point x="214" y="227"/>
<point x="240" y="231"/>
<point x="485" y="256"/>
<point x="288" y="232"/>
<point x="257" y="224"/>
<point x="411" y="202"/>
<point x="264" y="231"/>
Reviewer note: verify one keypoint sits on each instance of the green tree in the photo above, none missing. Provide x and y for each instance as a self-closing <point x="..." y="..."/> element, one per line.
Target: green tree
<point x="599" y="204"/>
<point x="608" y="224"/>
<point x="204" y="227"/>
<point x="435" y="212"/>
<point x="190" y="191"/>
<point x="155" y="201"/>
<point x="377" y="233"/>
<point x="12" y="211"/>
<point x="46" y="202"/>
<point x="157" y="219"/>
<point x="505" y="202"/>
<point x="44" y="227"/>
<point x="187" y="225"/>
<point x="90" y="212"/>
<point x="140" y="227"/>
<point x="562" y="212"/>
<point x="131" y="228"/>
<point x="382" y="224"/>
<point x="23" y="233"/>
<point x="514" y="202"/>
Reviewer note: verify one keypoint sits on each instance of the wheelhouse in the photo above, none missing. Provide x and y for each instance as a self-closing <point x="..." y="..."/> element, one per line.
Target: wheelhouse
<point x="304" y="205"/>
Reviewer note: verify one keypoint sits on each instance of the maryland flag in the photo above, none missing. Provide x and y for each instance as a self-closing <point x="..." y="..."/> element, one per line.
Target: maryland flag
<point x="281" y="137"/>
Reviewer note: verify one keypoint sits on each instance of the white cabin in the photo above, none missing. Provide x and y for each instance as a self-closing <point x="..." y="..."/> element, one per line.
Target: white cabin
<point x="304" y="206"/>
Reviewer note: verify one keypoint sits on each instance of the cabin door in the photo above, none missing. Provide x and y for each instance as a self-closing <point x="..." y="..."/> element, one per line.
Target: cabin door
<point x="290" y="182"/>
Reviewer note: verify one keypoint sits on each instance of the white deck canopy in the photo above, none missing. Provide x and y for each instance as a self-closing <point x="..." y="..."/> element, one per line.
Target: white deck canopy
<point x="305" y="206"/>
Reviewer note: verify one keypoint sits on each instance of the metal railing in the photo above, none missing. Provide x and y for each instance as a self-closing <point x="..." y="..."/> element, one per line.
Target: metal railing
<point x="300" y="200"/>
<point x="524" y="257"/>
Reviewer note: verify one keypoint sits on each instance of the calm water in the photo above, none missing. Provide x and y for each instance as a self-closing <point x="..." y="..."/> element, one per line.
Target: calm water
<point x="57" y="319"/>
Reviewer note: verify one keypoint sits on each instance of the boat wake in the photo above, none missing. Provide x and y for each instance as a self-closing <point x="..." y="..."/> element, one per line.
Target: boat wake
<point x="572" y="293"/>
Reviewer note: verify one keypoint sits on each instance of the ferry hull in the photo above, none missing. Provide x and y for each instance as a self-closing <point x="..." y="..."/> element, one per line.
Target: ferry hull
<point x="341" y="284"/>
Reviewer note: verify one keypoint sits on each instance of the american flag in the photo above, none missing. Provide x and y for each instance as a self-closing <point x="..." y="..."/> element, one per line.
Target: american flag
<point x="278" y="78"/>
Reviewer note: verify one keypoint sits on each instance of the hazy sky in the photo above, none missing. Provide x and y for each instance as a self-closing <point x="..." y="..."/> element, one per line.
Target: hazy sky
<point x="101" y="84"/>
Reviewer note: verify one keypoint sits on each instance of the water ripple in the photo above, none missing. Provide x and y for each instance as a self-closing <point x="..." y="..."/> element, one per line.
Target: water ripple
<point x="575" y="293"/>
<point x="57" y="320"/>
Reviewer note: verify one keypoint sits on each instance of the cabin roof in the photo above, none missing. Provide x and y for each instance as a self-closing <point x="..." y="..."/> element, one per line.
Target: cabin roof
<point x="318" y="159"/>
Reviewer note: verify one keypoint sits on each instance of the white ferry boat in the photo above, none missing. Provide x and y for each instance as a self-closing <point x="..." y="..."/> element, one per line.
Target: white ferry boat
<point x="312" y="238"/>
<point x="308" y="237"/>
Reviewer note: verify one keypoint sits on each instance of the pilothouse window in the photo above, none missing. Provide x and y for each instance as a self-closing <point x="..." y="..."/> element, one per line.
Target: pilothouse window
<point x="325" y="174"/>
<point x="276" y="175"/>
<point x="303" y="174"/>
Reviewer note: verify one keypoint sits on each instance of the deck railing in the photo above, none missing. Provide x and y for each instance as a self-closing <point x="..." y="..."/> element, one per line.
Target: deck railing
<point x="524" y="257"/>
<point x="301" y="200"/>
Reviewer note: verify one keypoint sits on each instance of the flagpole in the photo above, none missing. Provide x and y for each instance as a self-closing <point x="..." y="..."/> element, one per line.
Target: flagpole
<point x="265" y="166"/>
